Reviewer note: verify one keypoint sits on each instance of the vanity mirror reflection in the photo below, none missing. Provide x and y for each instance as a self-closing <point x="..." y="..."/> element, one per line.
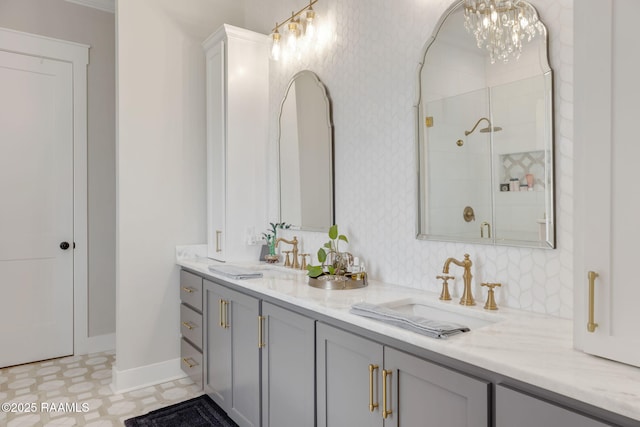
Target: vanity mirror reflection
<point x="305" y="154"/>
<point x="484" y="131"/>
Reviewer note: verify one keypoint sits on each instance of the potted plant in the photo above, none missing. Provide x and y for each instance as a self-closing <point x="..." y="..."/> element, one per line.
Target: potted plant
<point x="270" y="237"/>
<point x="334" y="269"/>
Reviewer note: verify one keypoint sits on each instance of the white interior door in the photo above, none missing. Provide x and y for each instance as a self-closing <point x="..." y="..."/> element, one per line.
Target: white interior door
<point x="36" y="208"/>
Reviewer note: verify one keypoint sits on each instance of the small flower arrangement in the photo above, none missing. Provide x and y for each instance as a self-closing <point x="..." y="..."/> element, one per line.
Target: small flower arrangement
<point x="271" y="235"/>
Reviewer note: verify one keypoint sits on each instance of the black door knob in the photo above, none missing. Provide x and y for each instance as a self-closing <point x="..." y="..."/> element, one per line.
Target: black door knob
<point x="64" y="246"/>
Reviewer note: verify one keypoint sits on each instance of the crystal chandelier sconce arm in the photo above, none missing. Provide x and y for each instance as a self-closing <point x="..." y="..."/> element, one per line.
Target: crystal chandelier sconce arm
<point x="501" y="26"/>
<point x="299" y="34"/>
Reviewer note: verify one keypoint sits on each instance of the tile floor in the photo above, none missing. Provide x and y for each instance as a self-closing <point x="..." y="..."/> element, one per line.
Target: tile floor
<point x="74" y="391"/>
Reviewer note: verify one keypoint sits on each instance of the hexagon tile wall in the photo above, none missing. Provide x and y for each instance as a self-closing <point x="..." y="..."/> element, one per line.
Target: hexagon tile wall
<point x="371" y="75"/>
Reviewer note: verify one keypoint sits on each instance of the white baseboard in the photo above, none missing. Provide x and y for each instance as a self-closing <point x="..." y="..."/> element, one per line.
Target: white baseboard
<point x="101" y="343"/>
<point x="146" y="376"/>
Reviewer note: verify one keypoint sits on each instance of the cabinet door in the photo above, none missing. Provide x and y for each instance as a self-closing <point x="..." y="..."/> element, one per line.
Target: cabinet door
<point x="420" y="393"/>
<point x="242" y="314"/>
<point x="217" y="346"/>
<point x="288" y="368"/>
<point x="216" y="151"/>
<point x="517" y="409"/>
<point x="606" y="233"/>
<point x="344" y="391"/>
<point x="232" y="354"/>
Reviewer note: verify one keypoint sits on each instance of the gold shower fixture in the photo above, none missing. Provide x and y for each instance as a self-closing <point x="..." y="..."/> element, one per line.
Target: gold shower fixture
<point x="487" y="129"/>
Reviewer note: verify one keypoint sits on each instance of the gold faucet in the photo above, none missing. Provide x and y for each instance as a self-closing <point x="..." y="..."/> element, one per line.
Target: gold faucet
<point x="294" y="242"/>
<point x="467" y="297"/>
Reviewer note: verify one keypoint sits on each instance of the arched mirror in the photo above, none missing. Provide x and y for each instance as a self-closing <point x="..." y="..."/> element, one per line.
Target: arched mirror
<point x="305" y="147"/>
<point x="484" y="130"/>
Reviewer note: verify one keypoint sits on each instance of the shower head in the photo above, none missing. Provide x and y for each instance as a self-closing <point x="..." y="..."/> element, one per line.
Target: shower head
<point x="488" y="129"/>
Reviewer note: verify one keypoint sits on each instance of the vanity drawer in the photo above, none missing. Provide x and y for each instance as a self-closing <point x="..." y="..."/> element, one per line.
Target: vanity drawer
<point x="191" y="290"/>
<point x="191" y="361"/>
<point x="191" y="325"/>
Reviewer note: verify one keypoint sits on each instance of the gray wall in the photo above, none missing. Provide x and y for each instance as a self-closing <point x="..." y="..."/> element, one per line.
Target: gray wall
<point x="161" y="172"/>
<point x="63" y="20"/>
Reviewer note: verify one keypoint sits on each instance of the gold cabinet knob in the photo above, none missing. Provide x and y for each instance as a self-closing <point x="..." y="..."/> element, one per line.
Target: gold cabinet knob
<point x="491" y="300"/>
<point x="444" y="295"/>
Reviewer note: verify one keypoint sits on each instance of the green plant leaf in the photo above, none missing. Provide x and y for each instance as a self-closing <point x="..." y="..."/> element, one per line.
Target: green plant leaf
<point x="322" y="255"/>
<point x="333" y="232"/>
<point x="331" y="269"/>
<point x="314" y="271"/>
<point x="343" y="238"/>
<point x="328" y="245"/>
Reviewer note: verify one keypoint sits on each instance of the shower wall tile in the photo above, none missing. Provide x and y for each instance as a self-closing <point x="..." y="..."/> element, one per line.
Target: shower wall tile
<point x="371" y="76"/>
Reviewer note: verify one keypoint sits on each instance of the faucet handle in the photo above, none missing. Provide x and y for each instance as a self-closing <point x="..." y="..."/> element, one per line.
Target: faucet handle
<point x="303" y="263"/>
<point x="444" y="295"/>
<point x="491" y="301"/>
<point x="287" y="260"/>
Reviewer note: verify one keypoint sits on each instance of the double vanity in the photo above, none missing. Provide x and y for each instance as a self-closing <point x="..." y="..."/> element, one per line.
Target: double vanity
<point x="274" y="351"/>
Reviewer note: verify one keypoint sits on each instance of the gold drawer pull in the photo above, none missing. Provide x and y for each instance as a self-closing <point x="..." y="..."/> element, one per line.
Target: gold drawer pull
<point x="385" y="411"/>
<point x="187" y="290"/>
<point x="189" y="365"/>
<point x="261" y="342"/>
<point x="188" y="325"/>
<point x="372" y="405"/>
<point x="225" y="314"/>
<point x="221" y="312"/>
<point x="592" y="325"/>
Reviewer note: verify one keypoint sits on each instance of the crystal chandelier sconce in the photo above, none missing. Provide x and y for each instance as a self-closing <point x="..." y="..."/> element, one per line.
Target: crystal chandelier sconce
<point x="299" y="33"/>
<point x="501" y="26"/>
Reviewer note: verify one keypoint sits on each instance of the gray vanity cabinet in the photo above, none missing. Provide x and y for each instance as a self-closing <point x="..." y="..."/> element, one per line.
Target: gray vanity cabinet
<point x="360" y="381"/>
<point x="514" y="408"/>
<point x="191" y="325"/>
<point x="288" y="368"/>
<point x="232" y="355"/>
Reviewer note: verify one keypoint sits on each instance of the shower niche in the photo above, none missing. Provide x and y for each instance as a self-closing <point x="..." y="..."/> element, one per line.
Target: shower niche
<point x="484" y="134"/>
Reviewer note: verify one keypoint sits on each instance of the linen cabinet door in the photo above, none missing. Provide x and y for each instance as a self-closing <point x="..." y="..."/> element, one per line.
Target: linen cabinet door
<point x="288" y="368"/>
<point x="420" y="393"/>
<point x="348" y="379"/>
<point x="606" y="232"/>
<point x="217" y="345"/>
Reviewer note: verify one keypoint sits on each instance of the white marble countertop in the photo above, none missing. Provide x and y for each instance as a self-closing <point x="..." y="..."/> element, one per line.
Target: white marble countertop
<point x="532" y="348"/>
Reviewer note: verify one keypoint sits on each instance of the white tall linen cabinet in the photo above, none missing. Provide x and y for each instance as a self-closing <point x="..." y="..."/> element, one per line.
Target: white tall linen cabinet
<point x="237" y="70"/>
<point x="607" y="201"/>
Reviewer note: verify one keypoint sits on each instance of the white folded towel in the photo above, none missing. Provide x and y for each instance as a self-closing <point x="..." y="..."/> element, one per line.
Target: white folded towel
<point x="235" y="272"/>
<point x="431" y="328"/>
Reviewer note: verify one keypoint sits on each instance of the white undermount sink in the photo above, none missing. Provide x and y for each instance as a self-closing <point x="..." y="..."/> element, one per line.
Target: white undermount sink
<point x="472" y="317"/>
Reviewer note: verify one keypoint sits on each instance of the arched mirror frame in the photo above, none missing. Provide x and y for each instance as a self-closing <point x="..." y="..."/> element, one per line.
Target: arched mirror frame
<point x="330" y="174"/>
<point x="549" y="242"/>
